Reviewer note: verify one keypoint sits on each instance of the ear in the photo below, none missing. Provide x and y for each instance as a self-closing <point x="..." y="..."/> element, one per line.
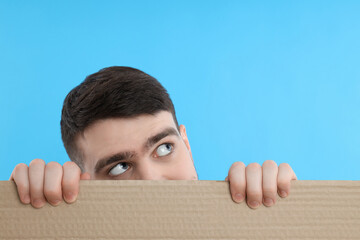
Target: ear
<point x="185" y="139"/>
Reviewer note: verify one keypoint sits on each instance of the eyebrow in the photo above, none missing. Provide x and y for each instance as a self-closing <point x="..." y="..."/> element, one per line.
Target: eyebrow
<point x="127" y="155"/>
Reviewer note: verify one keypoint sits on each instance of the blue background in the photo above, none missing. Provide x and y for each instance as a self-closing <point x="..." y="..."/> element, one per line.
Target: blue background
<point x="251" y="80"/>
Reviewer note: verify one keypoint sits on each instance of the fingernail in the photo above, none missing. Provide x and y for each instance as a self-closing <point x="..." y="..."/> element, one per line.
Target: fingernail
<point x="38" y="203"/>
<point x="254" y="204"/>
<point x="56" y="202"/>
<point x="239" y="197"/>
<point x="70" y="197"/>
<point x="26" y="199"/>
<point x="269" y="201"/>
<point x="283" y="193"/>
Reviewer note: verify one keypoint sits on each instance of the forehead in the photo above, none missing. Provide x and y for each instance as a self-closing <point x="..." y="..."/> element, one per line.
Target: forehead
<point x="112" y="135"/>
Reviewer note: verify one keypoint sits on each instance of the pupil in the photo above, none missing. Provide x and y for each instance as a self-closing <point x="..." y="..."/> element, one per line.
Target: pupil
<point x="122" y="164"/>
<point x="168" y="146"/>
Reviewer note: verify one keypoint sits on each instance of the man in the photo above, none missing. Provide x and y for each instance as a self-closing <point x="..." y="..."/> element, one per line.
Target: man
<point x="120" y="123"/>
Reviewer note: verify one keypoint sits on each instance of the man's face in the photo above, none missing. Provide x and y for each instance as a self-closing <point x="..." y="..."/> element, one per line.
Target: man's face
<point x="145" y="147"/>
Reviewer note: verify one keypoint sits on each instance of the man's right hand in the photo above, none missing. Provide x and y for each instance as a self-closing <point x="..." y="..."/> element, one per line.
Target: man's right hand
<point x="41" y="182"/>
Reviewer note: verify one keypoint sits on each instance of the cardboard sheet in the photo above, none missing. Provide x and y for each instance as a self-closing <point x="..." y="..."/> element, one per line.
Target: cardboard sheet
<point x="185" y="210"/>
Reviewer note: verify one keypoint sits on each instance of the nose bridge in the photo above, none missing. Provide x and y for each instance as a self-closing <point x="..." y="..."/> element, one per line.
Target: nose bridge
<point x="148" y="169"/>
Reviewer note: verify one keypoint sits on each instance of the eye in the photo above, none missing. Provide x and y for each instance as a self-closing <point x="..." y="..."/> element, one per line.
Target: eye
<point x="119" y="169"/>
<point x="164" y="149"/>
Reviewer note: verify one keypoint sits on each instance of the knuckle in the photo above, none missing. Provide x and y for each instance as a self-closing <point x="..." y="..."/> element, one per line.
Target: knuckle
<point x="284" y="165"/>
<point x="37" y="161"/>
<point x="254" y="166"/>
<point x="236" y="166"/>
<point x="269" y="163"/>
<point x="53" y="164"/>
<point x="71" y="165"/>
<point x="20" y="166"/>
<point x="238" y="163"/>
<point x="68" y="164"/>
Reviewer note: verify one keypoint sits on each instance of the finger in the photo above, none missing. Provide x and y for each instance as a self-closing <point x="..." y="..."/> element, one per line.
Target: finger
<point x="294" y="177"/>
<point x="254" y="185"/>
<point x="36" y="180"/>
<point x="70" y="181"/>
<point x="12" y="174"/>
<point x="52" y="183"/>
<point x="237" y="181"/>
<point x="85" y="176"/>
<point x="285" y="175"/>
<point x="270" y="172"/>
<point x="20" y="176"/>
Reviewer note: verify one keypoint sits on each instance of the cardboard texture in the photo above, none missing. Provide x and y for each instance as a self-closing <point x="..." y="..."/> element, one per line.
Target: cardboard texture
<point x="182" y="209"/>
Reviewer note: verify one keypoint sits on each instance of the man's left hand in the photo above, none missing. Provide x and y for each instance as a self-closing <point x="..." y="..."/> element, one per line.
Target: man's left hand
<point x="259" y="184"/>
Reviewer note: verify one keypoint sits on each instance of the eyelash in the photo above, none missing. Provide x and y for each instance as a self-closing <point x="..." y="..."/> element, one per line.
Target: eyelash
<point x="129" y="164"/>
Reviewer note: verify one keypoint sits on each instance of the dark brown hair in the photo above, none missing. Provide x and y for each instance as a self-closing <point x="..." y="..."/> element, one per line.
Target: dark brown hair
<point x="112" y="92"/>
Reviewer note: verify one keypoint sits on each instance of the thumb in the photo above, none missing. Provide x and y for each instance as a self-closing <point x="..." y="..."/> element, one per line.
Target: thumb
<point x="85" y="176"/>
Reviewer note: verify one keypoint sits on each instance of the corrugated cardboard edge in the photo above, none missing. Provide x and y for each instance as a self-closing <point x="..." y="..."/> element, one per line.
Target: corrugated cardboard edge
<point x="185" y="210"/>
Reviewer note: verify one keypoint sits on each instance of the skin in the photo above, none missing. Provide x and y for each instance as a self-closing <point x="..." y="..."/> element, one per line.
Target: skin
<point x="168" y="158"/>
